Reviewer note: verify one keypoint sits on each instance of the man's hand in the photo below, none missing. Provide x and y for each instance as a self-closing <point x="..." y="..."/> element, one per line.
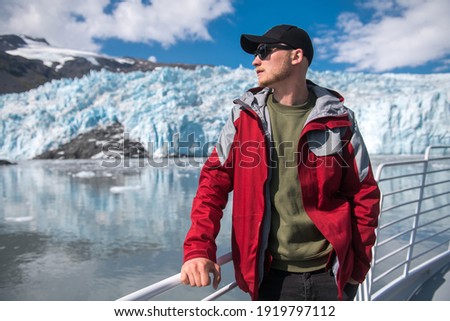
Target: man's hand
<point x="196" y="272"/>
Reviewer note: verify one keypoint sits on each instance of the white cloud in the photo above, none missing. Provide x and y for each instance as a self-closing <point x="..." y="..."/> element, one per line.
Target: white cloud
<point x="400" y="33"/>
<point x="77" y="23"/>
<point x="380" y="6"/>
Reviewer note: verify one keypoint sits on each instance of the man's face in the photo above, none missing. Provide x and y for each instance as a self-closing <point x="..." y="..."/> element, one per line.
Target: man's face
<point x="274" y="68"/>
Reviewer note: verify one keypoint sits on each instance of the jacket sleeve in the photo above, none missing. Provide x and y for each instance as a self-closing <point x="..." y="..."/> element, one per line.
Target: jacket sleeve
<point x="362" y="190"/>
<point x="215" y="183"/>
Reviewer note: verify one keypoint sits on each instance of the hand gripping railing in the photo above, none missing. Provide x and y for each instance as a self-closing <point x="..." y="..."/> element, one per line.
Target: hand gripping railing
<point x="173" y="281"/>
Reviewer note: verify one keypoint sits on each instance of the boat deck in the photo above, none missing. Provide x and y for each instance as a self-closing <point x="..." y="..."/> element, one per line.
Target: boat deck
<point x="437" y="288"/>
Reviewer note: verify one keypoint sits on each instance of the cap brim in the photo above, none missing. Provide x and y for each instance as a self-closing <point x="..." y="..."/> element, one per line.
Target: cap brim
<point x="250" y="43"/>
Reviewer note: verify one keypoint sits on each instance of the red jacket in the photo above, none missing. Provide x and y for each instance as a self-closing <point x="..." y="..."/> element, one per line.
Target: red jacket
<point x="338" y="189"/>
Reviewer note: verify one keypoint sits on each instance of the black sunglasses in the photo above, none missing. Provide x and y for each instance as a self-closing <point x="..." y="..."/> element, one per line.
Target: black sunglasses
<point x="264" y="50"/>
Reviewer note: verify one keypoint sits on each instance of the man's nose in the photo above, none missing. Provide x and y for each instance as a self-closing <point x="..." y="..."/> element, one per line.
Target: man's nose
<point x="256" y="61"/>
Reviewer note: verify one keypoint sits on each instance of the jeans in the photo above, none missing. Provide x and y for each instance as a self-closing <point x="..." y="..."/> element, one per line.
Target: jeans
<point x="309" y="286"/>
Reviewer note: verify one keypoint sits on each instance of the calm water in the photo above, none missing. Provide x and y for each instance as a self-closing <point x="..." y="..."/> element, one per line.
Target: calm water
<point x="74" y="230"/>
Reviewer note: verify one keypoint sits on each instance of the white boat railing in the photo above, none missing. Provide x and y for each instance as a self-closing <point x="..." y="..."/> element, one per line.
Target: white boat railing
<point x="173" y="281"/>
<point x="413" y="237"/>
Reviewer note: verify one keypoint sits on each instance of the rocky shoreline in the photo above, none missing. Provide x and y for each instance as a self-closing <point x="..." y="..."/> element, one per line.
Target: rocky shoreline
<point x="103" y="142"/>
<point x="5" y="162"/>
<point x="100" y="143"/>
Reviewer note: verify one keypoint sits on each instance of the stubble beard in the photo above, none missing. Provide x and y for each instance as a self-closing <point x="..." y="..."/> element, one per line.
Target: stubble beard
<point x="277" y="76"/>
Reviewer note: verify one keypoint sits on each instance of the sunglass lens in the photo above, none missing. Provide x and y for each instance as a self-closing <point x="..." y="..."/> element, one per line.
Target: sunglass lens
<point x="261" y="52"/>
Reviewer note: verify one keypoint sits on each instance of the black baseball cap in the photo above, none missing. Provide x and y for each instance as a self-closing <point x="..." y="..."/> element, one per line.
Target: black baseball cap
<point x="293" y="36"/>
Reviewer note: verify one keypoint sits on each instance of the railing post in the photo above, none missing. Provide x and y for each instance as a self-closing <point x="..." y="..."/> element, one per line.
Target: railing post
<point x="415" y="224"/>
<point x="427" y="158"/>
<point x="365" y="290"/>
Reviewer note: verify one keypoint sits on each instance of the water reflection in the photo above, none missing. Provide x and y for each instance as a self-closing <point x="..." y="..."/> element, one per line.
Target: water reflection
<point x="73" y="230"/>
<point x="133" y="206"/>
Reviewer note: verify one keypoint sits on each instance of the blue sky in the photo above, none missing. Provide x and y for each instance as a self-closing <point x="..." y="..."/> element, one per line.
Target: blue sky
<point x="368" y="36"/>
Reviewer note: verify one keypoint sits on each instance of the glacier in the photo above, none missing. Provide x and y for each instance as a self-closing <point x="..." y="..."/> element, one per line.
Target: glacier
<point x="170" y="109"/>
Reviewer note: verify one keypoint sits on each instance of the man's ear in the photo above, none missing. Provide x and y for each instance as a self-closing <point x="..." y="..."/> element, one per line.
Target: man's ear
<point x="297" y="56"/>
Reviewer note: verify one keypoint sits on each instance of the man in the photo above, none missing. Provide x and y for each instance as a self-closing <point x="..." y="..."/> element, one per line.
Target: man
<point x="305" y="202"/>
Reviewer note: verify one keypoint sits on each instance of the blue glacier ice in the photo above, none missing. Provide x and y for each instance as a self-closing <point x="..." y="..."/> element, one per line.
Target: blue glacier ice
<point x="397" y="113"/>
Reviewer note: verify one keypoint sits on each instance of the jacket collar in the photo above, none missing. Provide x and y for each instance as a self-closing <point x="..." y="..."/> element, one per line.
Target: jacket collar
<point x="328" y="103"/>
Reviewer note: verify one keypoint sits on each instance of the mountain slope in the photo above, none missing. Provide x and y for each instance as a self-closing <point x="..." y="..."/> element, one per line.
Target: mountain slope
<point x="27" y="63"/>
